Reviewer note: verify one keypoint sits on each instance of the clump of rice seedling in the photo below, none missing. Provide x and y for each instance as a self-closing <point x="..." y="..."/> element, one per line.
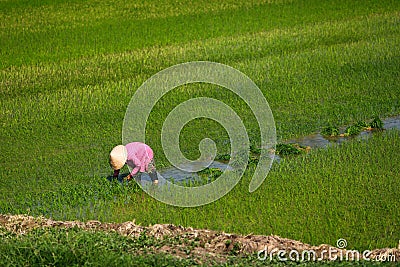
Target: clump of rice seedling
<point x="376" y="123"/>
<point x="255" y="153"/>
<point x="352" y="130"/>
<point x="289" y="149"/>
<point x="362" y="124"/>
<point x="255" y="150"/>
<point x="305" y="149"/>
<point x="330" y="131"/>
<point x="254" y="159"/>
<point x="356" y="129"/>
<point x="223" y="157"/>
<point x="210" y="174"/>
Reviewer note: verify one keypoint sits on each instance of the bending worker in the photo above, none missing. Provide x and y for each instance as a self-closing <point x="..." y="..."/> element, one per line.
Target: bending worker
<point x="138" y="156"/>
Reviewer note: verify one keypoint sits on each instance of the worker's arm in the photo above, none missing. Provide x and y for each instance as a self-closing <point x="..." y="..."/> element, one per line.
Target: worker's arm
<point x="135" y="169"/>
<point x="116" y="173"/>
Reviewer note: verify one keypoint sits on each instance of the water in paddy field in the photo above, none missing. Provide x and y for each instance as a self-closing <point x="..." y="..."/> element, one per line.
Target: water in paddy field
<point x="314" y="141"/>
<point x="317" y="140"/>
<point x="392" y="123"/>
<point x="178" y="175"/>
<point x="174" y="174"/>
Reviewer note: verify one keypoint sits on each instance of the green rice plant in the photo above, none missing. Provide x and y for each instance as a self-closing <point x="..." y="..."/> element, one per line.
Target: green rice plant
<point x="376" y="123"/>
<point x="287" y="149"/>
<point x="76" y="247"/>
<point x="352" y="130"/>
<point x="330" y="131"/>
<point x="209" y="174"/>
<point x="223" y="157"/>
<point x="362" y="124"/>
<point x="255" y="150"/>
<point x="356" y="129"/>
<point x="254" y="159"/>
<point x="81" y="201"/>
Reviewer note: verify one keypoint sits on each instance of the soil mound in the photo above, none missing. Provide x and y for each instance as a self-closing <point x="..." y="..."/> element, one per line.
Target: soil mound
<point x="217" y="245"/>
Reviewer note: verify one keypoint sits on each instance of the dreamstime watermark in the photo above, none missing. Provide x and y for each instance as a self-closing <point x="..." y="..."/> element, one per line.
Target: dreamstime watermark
<point x="332" y="253"/>
<point x="216" y="74"/>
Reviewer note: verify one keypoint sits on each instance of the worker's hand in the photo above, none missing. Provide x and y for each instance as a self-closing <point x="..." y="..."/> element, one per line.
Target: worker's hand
<point x="129" y="177"/>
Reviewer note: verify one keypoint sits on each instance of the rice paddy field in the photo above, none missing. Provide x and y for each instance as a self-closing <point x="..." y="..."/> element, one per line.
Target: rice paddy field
<point x="68" y="70"/>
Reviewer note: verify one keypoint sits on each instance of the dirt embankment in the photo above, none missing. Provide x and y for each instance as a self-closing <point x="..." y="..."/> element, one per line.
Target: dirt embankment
<point x="217" y="245"/>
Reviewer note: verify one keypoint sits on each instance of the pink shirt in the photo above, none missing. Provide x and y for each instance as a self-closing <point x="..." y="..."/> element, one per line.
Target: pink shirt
<point x="139" y="156"/>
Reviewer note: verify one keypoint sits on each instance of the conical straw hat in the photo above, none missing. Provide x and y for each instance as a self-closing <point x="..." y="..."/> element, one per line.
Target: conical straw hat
<point x="118" y="157"/>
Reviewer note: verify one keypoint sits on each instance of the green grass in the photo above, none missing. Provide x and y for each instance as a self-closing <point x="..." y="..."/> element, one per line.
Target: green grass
<point x="69" y="68"/>
<point x="65" y="30"/>
<point x="77" y="247"/>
